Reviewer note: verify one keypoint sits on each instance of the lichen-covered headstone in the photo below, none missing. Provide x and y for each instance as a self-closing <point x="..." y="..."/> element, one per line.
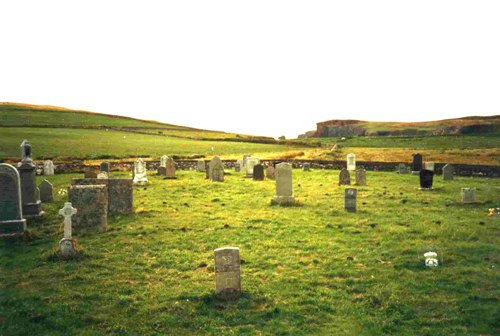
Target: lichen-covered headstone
<point x="251" y="162"/>
<point x="163" y="161"/>
<point x="344" y="177"/>
<point x="92" y="204"/>
<point x="448" y="172"/>
<point x="11" y="215"/>
<point x="270" y="173"/>
<point x="170" y="168"/>
<point x="104" y="167"/>
<point x="120" y="193"/>
<point x="426" y="179"/>
<point x="216" y="170"/>
<point x="162" y="171"/>
<point x="200" y="165"/>
<point x="258" y="172"/>
<point x="284" y="186"/>
<point x="237" y="167"/>
<point x="306" y="167"/>
<point x="417" y="162"/>
<point x="67" y="248"/>
<point x="32" y="206"/>
<point x="46" y="192"/>
<point x="227" y="273"/>
<point x="361" y="177"/>
<point x="48" y="168"/>
<point x="350" y="199"/>
<point x="351" y="162"/>
<point x="140" y="172"/>
<point x="468" y="195"/>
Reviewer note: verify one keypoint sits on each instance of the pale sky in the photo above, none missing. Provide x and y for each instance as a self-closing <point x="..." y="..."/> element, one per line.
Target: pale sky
<point x="254" y="67"/>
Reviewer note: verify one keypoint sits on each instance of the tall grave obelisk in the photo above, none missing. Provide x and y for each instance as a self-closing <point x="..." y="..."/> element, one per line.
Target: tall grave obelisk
<point x="30" y="194"/>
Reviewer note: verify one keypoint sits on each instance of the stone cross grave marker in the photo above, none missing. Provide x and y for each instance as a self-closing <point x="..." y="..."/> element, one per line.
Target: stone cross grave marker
<point x="227" y="273"/>
<point x="351" y="162"/>
<point x="46" y="192"/>
<point x="48" y="168"/>
<point x="350" y="199"/>
<point x="67" y="211"/>
<point x="284" y="186"/>
<point x="448" y="172"/>
<point x="344" y="177"/>
<point x="11" y="214"/>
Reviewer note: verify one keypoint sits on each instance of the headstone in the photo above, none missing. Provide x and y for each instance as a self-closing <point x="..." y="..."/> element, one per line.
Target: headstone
<point x="46" y="192"/>
<point x="216" y="169"/>
<point x="468" y="195"/>
<point x="270" y="172"/>
<point x="227" y="273"/>
<point x="417" y="162"/>
<point x="344" y="177"/>
<point x="104" y="167"/>
<point x="284" y="187"/>
<point x="351" y="162"/>
<point x="448" y="172"/>
<point x="431" y="259"/>
<point x="402" y="169"/>
<point x="120" y="193"/>
<point x="251" y="162"/>
<point x="426" y="178"/>
<point x="306" y="167"/>
<point x="163" y="161"/>
<point x="140" y="172"/>
<point x="350" y="199"/>
<point x="48" y="168"/>
<point x="11" y="214"/>
<point x="92" y="204"/>
<point x="162" y="171"/>
<point x="170" y="165"/>
<point x="429" y="166"/>
<point x="245" y="158"/>
<point x="237" y="167"/>
<point x="102" y="175"/>
<point x="32" y="207"/>
<point x="67" y="248"/>
<point x="361" y="177"/>
<point x="258" y="172"/>
<point x="200" y="165"/>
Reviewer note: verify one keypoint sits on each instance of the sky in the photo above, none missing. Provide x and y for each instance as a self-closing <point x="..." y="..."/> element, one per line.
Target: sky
<point x="254" y="67"/>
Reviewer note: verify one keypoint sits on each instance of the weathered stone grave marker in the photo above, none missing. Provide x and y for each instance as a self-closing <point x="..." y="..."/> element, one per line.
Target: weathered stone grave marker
<point x="46" y="192"/>
<point x="140" y="172"/>
<point x="426" y="179"/>
<point x="284" y="186"/>
<point x="48" y="168"/>
<point x="251" y="162"/>
<point x="306" y="167"/>
<point x="344" y="177"/>
<point x="361" y="177"/>
<point x="350" y="199"/>
<point x="67" y="248"/>
<point x="258" y="172"/>
<point x="200" y="166"/>
<point x="163" y="161"/>
<point x="216" y="170"/>
<point x="351" y="162"/>
<point x="120" y="193"/>
<point x="448" y="172"/>
<point x="270" y="173"/>
<point x="170" y="168"/>
<point x="417" y="163"/>
<point x="104" y="167"/>
<point x="92" y="204"/>
<point x="30" y="195"/>
<point x="227" y="273"/>
<point x="11" y="214"/>
<point x="468" y="195"/>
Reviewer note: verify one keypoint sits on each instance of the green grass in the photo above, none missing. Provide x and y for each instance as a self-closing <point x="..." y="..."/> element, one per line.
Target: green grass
<point x="88" y="144"/>
<point x="308" y="270"/>
<point x="415" y="142"/>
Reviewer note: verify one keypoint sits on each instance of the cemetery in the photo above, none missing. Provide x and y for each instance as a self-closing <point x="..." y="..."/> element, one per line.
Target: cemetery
<point x="254" y="247"/>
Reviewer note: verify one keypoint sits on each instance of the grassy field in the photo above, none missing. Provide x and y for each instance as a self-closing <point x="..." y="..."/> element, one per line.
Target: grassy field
<point x="307" y="270"/>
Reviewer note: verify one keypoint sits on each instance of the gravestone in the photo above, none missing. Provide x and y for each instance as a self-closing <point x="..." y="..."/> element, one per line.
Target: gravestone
<point x="46" y="192"/>
<point x="67" y="248"/>
<point x="245" y="158"/>
<point x="448" y="172"/>
<point x="92" y="204"/>
<point x="102" y="175"/>
<point x="32" y="207"/>
<point x="350" y="199"/>
<point x="227" y="273"/>
<point x="200" y="165"/>
<point x="120" y="193"/>
<point x="402" y="169"/>
<point x="140" y="172"/>
<point x="361" y="177"/>
<point x="251" y="162"/>
<point x="104" y="167"/>
<point x="344" y="177"/>
<point x="216" y="169"/>
<point x="429" y="166"/>
<point x="417" y="163"/>
<point x="258" y="172"/>
<point x="468" y="195"/>
<point x="48" y="168"/>
<point x="237" y="167"/>
<point x="351" y="162"/>
<point x="170" y="168"/>
<point x="270" y="172"/>
<point x="426" y="178"/>
<point x="284" y="187"/>
<point x="163" y="161"/>
<point x="162" y="171"/>
<point x="306" y="167"/>
<point x="11" y="213"/>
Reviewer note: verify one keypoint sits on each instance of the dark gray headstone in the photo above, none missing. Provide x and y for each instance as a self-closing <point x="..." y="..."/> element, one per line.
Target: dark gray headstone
<point x="426" y="178"/>
<point x="105" y="166"/>
<point x="11" y="215"/>
<point x="237" y="167"/>
<point x="344" y="177"/>
<point x="417" y="162"/>
<point x="120" y="193"/>
<point x="258" y="172"/>
<point x="448" y="172"/>
<point x="32" y="207"/>
<point x="306" y="167"/>
<point x="92" y="204"/>
<point x="350" y="199"/>
<point x="46" y="192"/>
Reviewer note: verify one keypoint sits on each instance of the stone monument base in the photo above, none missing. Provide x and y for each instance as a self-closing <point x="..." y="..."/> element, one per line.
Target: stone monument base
<point x="140" y="182"/>
<point x="426" y="189"/>
<point x="66" y="248"/>
<point x="12" y="227"/>
<point x="283" y="200"/>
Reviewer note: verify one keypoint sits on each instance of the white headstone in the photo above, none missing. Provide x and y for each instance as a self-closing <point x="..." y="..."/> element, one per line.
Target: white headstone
<point x="284" y="186"/>
<point x="67" y="211"/>
<point x="351" y="161"/>
<point x="48" y="168"/>
<point x="140" y="172"/>
<point x="429" y="166"/>
<point x="251" y="162"/>
<point x="102" y="175"/>
<point x="163" y="161"/>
